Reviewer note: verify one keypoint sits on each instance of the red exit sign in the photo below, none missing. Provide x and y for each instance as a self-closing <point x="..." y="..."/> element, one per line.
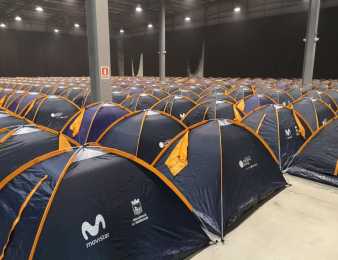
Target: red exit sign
<point x="105" y="72"/>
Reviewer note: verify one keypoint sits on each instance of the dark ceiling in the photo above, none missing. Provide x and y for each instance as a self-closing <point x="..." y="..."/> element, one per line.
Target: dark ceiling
<point x="63" y="14"/>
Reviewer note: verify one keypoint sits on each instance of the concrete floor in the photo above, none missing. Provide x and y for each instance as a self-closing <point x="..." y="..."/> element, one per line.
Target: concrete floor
<point x="300" y="223"/>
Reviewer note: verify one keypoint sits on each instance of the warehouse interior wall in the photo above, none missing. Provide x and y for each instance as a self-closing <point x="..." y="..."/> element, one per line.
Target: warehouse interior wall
<point x="264" y="47"/>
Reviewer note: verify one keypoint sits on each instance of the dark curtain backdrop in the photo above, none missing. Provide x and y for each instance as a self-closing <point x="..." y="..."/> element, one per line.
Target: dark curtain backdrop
<point x="264" y="47"/>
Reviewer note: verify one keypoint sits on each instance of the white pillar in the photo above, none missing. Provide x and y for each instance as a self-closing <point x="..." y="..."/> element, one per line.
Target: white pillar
<point x="311" y="42"/>
<point x="162" y="52"/>
<point x="98" y="35"/>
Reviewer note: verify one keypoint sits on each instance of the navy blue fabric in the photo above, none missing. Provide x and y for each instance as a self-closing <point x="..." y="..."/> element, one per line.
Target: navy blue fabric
<point x="241" y="92"/>
<point x="20" y="149"/>
<point x="7" y="121"/>
<point x="280" y="97"/>
<point x="317" y="161"/>
<point x="55" y="113"/>
<point x="13" y="101"/>
<point x="157" y="131"/>
<point x="256" y="101"/>
<point x="25" y="101"/>
<point x="250" y="174"/>
<point x="209" y="110"/>
<point x="175" y="106"/>
<point x="118" y="96"/>
<point x="199" y="182"/>
<point x="85" y="124"/>
<point x="229" y="158"/>
<point x="288" y="140"/>
<point x="14" y="194"/>
<point x="139" y="102"/>
<point x="125" y="135"/>
<point x="105" y="117"/>
<point x="310" y="109"/>
<point x="107" y="186"/>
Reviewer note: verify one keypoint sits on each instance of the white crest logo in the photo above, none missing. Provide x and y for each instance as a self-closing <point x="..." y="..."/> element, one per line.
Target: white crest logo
<point x="137" y="207"/>
<point x="288" y="132"/>
<point x="93" y="230"/>
<point x="182" y="115"/>
<point x="247" y="163"/>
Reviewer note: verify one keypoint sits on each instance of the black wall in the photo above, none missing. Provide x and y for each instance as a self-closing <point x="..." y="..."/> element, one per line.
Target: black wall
<point x="265" y="47"/>
<point x="42" y="54"/>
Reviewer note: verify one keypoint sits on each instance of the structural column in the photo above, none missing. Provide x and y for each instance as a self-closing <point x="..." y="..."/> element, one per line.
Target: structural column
<point x="120" y="56"/>
<point x="162" y="51"/>
<point x="98" y="34"/>
<point x="311" y="42"/>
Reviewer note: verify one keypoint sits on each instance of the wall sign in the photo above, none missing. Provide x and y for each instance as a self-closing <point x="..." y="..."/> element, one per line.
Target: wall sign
<point x="105" y="72"/>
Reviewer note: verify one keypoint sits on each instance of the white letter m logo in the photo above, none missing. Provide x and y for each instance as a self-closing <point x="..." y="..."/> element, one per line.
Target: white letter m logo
<point x="93" y="230"/>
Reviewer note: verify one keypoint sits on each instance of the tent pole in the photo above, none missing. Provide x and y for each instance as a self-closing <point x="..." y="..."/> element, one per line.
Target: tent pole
<point x="311" y="42"/>
<point x="162" y="52"/>
<point x="97" y="15"/>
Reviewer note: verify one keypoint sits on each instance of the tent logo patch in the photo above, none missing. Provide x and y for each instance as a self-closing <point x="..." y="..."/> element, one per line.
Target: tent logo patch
<point x="139" y="215"/>
<point x="137" y="207"/>
<point x="247" y="163"/>
<point x="56" y="115"/>
<point x="94" y="230"/>
<point x="163" y="144"/>
<point x="288" y="133"/>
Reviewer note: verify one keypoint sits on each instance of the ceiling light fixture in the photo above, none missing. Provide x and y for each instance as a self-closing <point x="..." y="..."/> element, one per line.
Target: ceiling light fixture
<point x="2" y="25"/>
<point x="121" y="31"/>
<point x="56" y="30"/>
<point x="76" y="25"/>
<point x="237" y="9"/>
<point x="187" y="19"/>
<point x="39" y="9"/>
<point x="150" y="26"/>
<point x="138" y="9"/>
<point x="18" y="18"/>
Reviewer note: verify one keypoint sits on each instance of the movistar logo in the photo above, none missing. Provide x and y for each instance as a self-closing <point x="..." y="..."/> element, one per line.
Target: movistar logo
<point x="93" y="230"/>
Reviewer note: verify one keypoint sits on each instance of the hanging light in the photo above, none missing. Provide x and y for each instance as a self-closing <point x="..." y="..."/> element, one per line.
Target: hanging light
<point x="150" y="26"/>
<point x="187" y="19"/>
<point x="138" y="9"/>
<point x="18" y="18"/>
<point x="237" y="9"/>
<point x="39" y="9"/>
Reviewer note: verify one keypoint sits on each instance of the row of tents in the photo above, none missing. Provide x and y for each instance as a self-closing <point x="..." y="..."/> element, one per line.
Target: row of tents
<point x="145" y="184"/>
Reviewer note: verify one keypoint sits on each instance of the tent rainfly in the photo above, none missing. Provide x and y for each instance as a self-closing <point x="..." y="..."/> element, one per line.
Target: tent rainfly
<point x="176" y="106"/>
<point x="317" y="159"/>
<point x="125" y="209"/>
<point x="213" y="109"/>
<point x="283" y="129"/>
<point x="143" y="134"/>
<point x="223" y="169"/>
<point x="90" y="122"/>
